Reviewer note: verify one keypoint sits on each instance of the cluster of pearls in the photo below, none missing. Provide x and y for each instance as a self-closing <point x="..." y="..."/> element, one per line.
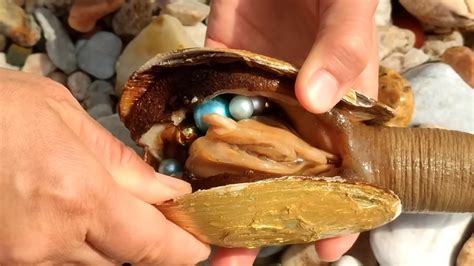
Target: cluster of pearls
<point x="239" y="107"/>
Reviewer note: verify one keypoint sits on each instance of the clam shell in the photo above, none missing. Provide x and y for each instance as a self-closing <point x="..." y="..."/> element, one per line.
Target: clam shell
<point x="282" y="210"/>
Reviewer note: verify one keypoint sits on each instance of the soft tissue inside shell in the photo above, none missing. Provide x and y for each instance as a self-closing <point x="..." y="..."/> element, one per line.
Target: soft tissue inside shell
<point x="236" y="147"/>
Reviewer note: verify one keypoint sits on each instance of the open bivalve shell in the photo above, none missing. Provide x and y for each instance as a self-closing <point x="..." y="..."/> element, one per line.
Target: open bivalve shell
<point x="291" y="177"/>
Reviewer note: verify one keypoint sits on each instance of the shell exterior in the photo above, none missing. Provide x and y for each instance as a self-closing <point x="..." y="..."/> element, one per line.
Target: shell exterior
<point x="285" y="210"/>
<point x="359" y="106"/>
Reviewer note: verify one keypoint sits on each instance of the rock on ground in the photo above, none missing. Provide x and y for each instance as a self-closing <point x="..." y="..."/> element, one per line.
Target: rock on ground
<point x="17" y="25"/>
<point x="38" y="64"/>
<point x="59" y="46"/>
<point x="189" y="12"/>
<point x="99" y="54"/>
<point x="165" y="33"/>
<point x="441" y="97"/>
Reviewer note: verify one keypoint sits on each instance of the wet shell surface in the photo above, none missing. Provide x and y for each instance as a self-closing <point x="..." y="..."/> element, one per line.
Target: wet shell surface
<point x="252" y="212"/>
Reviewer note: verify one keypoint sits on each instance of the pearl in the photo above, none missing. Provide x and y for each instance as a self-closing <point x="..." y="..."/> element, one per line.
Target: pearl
<point x="241" y="107"/>
<point x="216" y="105"/>
<point x="170" y="167"/>
<point x="259" y="104"/>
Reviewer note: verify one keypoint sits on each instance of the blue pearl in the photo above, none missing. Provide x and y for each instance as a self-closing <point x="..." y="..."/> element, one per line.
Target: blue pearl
<point x="241" y="107"/>
<point x="259" y="104"/>
<point x="216" y="105"/>
<point x="170" y="167"/>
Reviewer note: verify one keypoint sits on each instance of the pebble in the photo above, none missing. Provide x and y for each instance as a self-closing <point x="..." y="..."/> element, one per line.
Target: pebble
<point x="165" y="33"/>
<point x="393" y="39"/>
<point x="3" y="42"/>
<point x="113" y="124"/>
<point x="270" y="251"/>
<point x="16" y="55"/>
<point x="38" y="64"/>
<point x="383" y="13"/>
<point x="436" y="45"/>
<point x="461" y="59"/>
<point x="84" y="14"/>
<point x="133" y="16"/>
<point x="17" y="25"/>
<point x="197" y="33"/>
<point x="100" y="110"/>
<point x="59" y="8"/>
<point x="441" y="97"/>
<point x="5" y="64"/>
<point x="442" y="14"/>
<point x="78" y="83"/>
<point x="189" y="12"/>
<point x="297" y="255"/>
<point x="99" y="54"/>
<point x="99" y="92"/>
<point x="59" y="46"/>
<point x="59" y="77"/>
<point x="401" y="62"/>
<point x="347" y="261"/>
<point x="420" y="239"/>
<point x="79" y="44"/>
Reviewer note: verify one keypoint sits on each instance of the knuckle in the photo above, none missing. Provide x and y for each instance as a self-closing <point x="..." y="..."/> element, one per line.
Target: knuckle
<point x="353" y="51"/>
<point x="22" y="254"/>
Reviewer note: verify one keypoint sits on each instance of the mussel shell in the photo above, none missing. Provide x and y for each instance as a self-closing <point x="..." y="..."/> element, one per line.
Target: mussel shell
<point x="279" y="210"/>
<point x="165" y="83"/>
<point x="284" y="210"/>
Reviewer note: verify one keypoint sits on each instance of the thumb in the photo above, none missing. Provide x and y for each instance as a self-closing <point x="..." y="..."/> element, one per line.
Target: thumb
<point x="340" y="54"/>
<point x="120" y="161"/>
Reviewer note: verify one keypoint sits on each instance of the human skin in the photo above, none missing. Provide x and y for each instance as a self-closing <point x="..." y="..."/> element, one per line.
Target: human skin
<point x="72" y="193"/>
<point x="334" y="43"/>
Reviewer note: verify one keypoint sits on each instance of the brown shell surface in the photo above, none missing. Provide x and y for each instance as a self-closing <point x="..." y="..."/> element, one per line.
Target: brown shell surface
<point x="151" y="92"/>
<point x="284" y="210"/>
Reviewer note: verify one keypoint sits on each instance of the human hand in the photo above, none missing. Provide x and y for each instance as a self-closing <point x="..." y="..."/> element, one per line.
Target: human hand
<point x="72" y="193"/>
<point x="334" y="43"/>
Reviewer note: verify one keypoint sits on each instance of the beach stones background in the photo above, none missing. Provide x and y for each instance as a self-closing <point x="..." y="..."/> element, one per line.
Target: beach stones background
<point x="92" y="46"/>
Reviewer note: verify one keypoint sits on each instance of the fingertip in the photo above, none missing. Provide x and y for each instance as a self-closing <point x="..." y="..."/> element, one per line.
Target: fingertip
<point x="234" y="256"/>
<point x="332" y="249"/>
<point x="317" y="92"/>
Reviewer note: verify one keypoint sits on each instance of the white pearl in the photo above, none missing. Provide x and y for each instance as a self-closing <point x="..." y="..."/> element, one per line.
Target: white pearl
<point x="241" y="107"/>
<point x="259" y="103"/>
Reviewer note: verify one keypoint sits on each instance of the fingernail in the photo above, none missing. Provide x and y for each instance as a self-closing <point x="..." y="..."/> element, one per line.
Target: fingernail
<point x="174" y="183"/>
<point x="322" y="90"/>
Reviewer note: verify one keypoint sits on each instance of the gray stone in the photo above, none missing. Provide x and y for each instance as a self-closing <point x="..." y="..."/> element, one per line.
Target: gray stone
<point x="38" y="64"/>
<point x="59" y="77"/>
<point x="58" y="43"/>
<point x="79" y="44"/>
<point x="99" y="92"/>
<point x="17" y="25"/>
<point x="78" y="83"/>
<point x="189" y="12"/>
<point x="436" y="45"/>
<point x="441" y="97"/>
<point x="5" y="64"/>
<point x="118" y="129"/>
<point x="99" y="54"/>
<point x="100" y="110"/>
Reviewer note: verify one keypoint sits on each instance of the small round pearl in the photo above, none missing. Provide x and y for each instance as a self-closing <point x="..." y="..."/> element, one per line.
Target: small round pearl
<point x="216" y="105"/>
<point x="170" y="167"/>
<point x="241" y="107"/>
<point x="259" y="103"/>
